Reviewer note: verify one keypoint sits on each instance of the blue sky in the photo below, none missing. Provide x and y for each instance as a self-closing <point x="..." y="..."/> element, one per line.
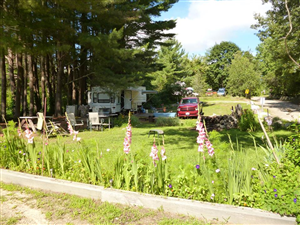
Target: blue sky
<point x="203" y="23"/>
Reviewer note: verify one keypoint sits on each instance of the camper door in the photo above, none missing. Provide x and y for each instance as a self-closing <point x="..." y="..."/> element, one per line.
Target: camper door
<point x="127" y="99"/>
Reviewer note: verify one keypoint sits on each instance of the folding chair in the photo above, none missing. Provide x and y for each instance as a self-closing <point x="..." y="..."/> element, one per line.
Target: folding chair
<point x="51" y="128"/>
<point x="71" y="118"/>
<point x="94" y="120"/>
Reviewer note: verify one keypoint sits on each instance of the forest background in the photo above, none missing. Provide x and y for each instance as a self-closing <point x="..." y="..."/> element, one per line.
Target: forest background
<point x="59" y="49"/>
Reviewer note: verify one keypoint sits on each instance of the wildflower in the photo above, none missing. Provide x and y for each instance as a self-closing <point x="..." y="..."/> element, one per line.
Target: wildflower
<point x="212" y="182"/>
<point x="266" y="165"/>
<point x="67" y="151"/>
<point x="127" y="139"/>
<point x="78" y="139"/>
<point x="197" y="166"/>
<point x="20" y="152"/>
<point x="212" y="196"/>
<point x="154" y="153"/>
<point x="209" y="148"/>
<point x="108" y="149"/>
<point x="24" y="153"/>
<point x="217" y="170"/>
<point x="274" y="176"/>
<point x="19" y="132"/>
<point x="170" y="186"/>
<point x="38" y="159"/>
<point x="28" y="135"/>
<point x="276" y="195"/>
<point x="162" y="153"/>
<point x="295" y="200"/>
<point x="253" y="168"/>
<point x="40" y="153"/>
<point x="265" y="191"/>
<point x="79" y="161"/>
<point x="275" y="190"/>
<point x="46" y="143"/>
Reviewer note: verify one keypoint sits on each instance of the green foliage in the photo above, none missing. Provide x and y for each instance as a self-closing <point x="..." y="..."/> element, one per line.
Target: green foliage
<point x="122" y="120"/>
<point x="293" y="152"/>
<point x="280" y="72"/>
<point x="167" y="121"/>
<point x="219" y="58"/>
<point x="248" y="121"/>
<point x="282" y="193"/>
<point x="243" y="74"/>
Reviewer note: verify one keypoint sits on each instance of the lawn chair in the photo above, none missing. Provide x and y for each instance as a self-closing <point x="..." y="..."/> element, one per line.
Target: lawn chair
<point x="51" y="128"/>
<point x="71" y="118"/>
<point x="94" y="120"/>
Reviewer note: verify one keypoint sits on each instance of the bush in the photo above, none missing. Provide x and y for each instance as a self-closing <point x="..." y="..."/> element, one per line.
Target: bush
<point x="122" y="120"/>
<point x="167" y="121"/>
<point x="248" y="121"/>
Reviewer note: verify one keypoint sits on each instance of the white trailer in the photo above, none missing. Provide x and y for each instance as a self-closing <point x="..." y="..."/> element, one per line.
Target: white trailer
<point x="104" y="101"/>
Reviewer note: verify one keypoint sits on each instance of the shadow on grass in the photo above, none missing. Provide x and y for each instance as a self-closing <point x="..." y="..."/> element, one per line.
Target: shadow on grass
<point x="247" y="139"/>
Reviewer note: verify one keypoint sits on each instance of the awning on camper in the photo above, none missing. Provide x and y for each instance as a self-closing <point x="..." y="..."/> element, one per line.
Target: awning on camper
<point x="149" y="92"/>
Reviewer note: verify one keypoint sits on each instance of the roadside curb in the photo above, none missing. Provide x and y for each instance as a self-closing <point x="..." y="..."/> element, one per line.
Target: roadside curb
<point x="209" y="211"/>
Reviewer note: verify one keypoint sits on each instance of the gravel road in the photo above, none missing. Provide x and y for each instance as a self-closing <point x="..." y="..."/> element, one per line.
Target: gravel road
<point x="282" y="109"/>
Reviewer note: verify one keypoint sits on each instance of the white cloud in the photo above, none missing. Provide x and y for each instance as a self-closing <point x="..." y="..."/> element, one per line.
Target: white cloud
<point x="211" y="21"/>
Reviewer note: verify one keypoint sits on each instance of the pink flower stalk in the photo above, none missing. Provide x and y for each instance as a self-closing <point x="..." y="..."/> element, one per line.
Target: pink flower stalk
<point x="209" y="148"/>
<point x="202" y="139"/>
<point x="154" y="154"/>
<point x="126" y="145"/>
<point x="127" y="139"/>
<point x="162" y="153"/>
<point x="28" y="135"/>
<point x="19" y="132"/>
<point x="70" y="128"/>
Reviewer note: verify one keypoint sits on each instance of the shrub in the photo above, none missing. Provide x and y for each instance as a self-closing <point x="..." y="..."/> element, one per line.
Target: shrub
<point x="122" y="120"/>
<point x="281" y="194"/>
<point x="248" y="121"/>
<point x="167" y="121"/>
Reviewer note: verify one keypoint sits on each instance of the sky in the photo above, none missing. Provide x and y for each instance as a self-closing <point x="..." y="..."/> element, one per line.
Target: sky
<point x="203" y="23"/>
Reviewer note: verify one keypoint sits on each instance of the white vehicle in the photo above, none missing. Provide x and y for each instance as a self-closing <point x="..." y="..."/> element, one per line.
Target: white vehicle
<point x="104" y="101"/>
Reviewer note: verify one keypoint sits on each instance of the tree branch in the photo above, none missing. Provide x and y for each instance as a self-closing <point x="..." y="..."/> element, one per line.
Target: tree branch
<point x="285" y="38"/>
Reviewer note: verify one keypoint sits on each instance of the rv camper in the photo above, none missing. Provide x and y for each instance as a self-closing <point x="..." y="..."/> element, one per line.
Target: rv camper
<point x="105" y="102"/>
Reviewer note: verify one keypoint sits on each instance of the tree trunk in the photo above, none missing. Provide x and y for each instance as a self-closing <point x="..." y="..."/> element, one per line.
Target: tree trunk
<point x="42" y="66"/>
<point x="10" y="60"/>
<point x="58" y="96"/>
<point x="31" y="83"/>
<point x="74" y="92"/>
<point x="25" y="105"/>
<point x="49" y="85"/>
<point x="37" y="105"/>
<point x="3" y="86"/>
<point x="19" y="86"/>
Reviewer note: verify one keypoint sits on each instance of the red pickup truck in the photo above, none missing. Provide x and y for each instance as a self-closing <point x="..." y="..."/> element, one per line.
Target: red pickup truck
<point x="188" y="107"/>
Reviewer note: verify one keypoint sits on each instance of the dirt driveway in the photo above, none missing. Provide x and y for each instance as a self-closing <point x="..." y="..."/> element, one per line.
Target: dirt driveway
<point x="282" y="109"/>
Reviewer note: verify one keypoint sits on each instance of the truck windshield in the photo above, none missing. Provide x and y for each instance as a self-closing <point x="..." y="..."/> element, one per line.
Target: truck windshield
<point x="186" y="101"/>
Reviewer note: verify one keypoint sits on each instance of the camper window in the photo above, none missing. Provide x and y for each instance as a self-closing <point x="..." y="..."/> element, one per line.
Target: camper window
<point x="103" y="98"/>
<point x="95" y="97"/>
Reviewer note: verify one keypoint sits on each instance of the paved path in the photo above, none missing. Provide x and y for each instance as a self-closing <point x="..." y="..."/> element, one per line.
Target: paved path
<point x="282" y="109"/>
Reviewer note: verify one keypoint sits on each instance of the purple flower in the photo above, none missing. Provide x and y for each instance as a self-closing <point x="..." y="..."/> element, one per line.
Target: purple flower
<point x="4" y="146"/>
<point x="20" y="152"/>
<point x="40" y="153"/>
<point x="170" y="185"/>
<point x="275" y="190"/>
<point x="276" y="195"/>
<point x="295" y="200"/>
<point x="38" y="158"/>
<point x="197" y="166"/>
<point x="274" y="176"/>
<point x="24" y="153"/>
<point x="265" y="191"/>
